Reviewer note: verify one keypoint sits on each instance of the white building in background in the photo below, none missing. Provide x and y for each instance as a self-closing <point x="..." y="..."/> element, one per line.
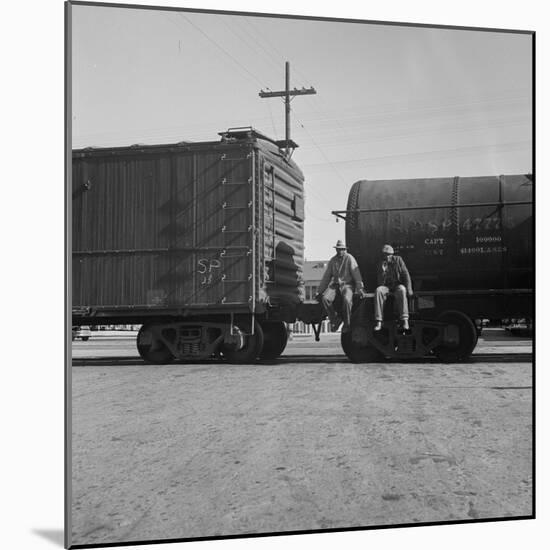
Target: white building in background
<point x="313" y="273"/>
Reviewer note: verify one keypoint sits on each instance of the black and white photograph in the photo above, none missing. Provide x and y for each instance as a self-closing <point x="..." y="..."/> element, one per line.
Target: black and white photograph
<point x="301" y="274"/>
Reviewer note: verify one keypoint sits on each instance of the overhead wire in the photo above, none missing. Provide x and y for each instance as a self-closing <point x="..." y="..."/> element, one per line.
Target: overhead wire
<point x="329" y="162"/>
<point x="221" y="48"/>
<point x="238" y="63"/>
<point x="250" y="42"/>
<point x="380" y="138"/>
<point x="443" y="153"/>
<point x="385" y="119"/>
<point x="258" y="41"/>
<point x="357" y="138"/>
<point x="397" y="113"/>
<point x="295" y="69"/>
<point x="263" y="37"/>
<point x="251" y="45"/>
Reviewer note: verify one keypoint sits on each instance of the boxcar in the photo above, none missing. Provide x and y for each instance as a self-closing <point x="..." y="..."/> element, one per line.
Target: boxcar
<point x="201" y="243"/>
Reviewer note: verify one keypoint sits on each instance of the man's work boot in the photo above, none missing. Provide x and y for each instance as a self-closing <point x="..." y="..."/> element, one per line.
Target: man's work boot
<point x="378" y="326"/>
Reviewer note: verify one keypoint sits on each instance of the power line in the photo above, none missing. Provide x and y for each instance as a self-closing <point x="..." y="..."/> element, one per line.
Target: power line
<point x="247" y="71"/>
<point x="426" y="129"/>
<point x="272" y="120"/>
<point x="442" y="153"/>
<point x="251" y="45"/>
<point x="258" y="41"/>
<point x="397" y="111"/>
<point x="176" y="133"/>
<point x="407" y="111"/>
<point x="393" y="113"/>
<point x="264" y="38"/>
<point x="401" y="114"/>
<point x="220" y="48"/>
<point x="273" y="94"/>
<point x="321" y="151"/>
<point x="357" y="140"/>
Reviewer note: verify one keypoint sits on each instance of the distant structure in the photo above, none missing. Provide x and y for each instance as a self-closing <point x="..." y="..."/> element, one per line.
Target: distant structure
<point x="313" y="273"/>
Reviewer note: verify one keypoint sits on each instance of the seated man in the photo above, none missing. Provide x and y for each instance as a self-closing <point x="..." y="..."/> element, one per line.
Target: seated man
<point x="342" y="277"/>
<point x="393" y="276"/>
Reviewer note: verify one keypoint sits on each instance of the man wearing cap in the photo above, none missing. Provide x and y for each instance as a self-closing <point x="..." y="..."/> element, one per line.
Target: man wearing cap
<point x="341" y="276"/>
<point x="393" y="276"/>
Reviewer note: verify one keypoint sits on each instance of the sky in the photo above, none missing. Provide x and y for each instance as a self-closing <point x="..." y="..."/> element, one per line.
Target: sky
<point x="392" y="101"/>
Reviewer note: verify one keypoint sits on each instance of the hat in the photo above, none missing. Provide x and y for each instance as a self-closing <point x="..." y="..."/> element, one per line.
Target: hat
<point x="387" y="249"/>
<point x="340" y="244"/>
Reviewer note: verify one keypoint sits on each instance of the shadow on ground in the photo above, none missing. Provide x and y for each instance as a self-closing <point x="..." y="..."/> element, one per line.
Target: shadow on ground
<point x="57" y="536"/>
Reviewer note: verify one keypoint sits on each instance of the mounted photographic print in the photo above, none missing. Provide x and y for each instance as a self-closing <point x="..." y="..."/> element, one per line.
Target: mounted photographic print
<point x="301" y="282"/>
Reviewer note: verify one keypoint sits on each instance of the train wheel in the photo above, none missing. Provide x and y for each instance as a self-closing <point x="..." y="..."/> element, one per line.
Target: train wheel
<point x="467" y="337"/>
<point x="252" y="346"/>
<point x="151" y="348"/>
<point x="357" y="353"/>
<point x="275" y="339"/>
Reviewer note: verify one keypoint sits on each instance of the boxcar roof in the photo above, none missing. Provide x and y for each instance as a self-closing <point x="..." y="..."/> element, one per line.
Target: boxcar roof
<point x="230" y="138"/>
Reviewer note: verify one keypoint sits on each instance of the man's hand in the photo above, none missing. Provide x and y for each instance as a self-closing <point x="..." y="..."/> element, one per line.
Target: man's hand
<point x="362" y="293"/>
<point x="410" y="293"/>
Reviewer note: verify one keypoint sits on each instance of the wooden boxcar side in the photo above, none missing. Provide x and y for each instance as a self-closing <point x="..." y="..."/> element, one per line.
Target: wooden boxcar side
<point x="194" y="228"/>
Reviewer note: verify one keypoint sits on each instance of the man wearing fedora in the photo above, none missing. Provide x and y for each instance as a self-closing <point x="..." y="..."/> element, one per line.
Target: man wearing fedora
<point x="393" y="276"/>
<point x="342" y="277"/>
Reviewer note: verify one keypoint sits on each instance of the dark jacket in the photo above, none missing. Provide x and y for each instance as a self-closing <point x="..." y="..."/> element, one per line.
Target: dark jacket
<point x="396" y="274"/>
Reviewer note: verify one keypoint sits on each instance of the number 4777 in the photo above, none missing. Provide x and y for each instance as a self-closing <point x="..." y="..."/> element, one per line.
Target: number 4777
<point x="481" y="223"/>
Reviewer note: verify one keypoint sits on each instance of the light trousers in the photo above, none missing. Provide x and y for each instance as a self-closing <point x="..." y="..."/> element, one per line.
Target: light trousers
<point x="401" y="303"/>
<point x="328" y="297"/>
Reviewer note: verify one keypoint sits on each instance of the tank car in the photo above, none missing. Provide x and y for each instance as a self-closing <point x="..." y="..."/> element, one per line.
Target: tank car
<point x="468" y="245"/>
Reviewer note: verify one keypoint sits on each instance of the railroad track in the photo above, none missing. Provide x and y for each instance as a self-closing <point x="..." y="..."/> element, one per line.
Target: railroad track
<point x="309" y="359"/>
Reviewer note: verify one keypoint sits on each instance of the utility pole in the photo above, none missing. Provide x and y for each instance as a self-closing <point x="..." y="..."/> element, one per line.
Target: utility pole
<point x="287" y="93"/>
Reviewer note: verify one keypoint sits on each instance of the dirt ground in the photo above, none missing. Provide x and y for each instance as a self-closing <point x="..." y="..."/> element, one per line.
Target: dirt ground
<point x="304" y="443"/>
